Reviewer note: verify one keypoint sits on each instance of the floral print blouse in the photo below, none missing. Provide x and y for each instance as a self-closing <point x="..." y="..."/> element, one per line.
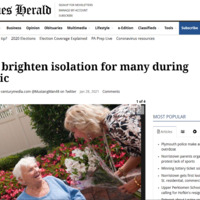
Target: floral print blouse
<point x="124" y="125"/>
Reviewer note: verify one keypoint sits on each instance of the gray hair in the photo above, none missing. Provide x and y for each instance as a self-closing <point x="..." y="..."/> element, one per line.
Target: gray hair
<point x="26" y="161"/>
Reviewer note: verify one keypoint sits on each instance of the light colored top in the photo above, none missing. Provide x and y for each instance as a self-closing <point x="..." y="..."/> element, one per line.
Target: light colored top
<point x="58" y="190"/>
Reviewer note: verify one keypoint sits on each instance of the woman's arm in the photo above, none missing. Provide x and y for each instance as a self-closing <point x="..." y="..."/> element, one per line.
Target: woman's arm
<point x="130" y="164"/>
<point x="134" y="184"/>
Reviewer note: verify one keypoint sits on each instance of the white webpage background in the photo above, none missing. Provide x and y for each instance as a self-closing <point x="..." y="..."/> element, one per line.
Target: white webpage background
<point x="164" y="92"/>
<point x="116" y="10"/>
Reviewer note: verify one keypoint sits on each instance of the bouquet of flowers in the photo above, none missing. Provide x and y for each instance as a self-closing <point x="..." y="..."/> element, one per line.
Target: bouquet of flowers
<point x="80" y="164"/>
<point x="87" y="169"/>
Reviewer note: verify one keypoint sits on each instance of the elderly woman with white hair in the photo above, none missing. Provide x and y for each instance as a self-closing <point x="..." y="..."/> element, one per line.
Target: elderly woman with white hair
<point x="28" y="173"/>
<point x="123" y="124"/>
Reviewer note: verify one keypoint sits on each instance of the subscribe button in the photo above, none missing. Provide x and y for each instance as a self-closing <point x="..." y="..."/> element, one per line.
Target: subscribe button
<point x="189" y="28"/>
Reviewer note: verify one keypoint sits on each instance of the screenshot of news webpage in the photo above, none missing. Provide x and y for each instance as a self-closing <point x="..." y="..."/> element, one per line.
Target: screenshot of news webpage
<point x="50" y="56"/>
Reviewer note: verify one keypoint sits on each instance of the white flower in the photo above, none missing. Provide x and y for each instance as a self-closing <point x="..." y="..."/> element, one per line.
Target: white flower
<point x="92" y="159"/>
<point x="74" y="177"/>
<point x="91" y="168"/>
<point x="87" y="150"/>
<point x="78" y="153"/>
<point x="81" y="168"/>
<point x="70" y="164"/>
<point x="77" y="169"/>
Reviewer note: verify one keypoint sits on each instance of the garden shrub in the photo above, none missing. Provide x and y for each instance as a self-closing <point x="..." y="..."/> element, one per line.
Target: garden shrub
<point x="9" y="162"/>
<point x="48" y="121"/>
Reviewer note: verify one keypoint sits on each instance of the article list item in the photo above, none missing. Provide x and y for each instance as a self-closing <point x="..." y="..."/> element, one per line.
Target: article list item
<point x="178" y="173"/>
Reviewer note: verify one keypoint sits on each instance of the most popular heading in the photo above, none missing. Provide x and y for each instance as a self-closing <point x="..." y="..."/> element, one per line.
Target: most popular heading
<point x="22" y="10"/>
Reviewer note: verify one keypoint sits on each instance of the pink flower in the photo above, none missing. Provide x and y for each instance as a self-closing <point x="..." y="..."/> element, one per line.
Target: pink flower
<point x="114" y="155"/>
<point x="122" y="154"/>
<point x="62" y="145"/>
<point x="58" y="158"/>
<point x="11" y="184"/>
<point x="51" y="155"/>
<point x="54" y="162"/>
<point x="112" y="146"/>
<point x="117" y="165"/>
<point x="11" y="176"/>
<point x="54" y="151"/>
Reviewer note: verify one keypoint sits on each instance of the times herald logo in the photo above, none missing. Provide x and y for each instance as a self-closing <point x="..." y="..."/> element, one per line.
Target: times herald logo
<point x="23" y="10"/>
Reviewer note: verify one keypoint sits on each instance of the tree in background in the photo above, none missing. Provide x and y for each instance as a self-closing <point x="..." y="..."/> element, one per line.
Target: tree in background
<point x="48" y="121"/>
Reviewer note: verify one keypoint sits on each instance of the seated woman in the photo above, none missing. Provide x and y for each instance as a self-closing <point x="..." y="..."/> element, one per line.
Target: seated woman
<point x="28" y="173"/>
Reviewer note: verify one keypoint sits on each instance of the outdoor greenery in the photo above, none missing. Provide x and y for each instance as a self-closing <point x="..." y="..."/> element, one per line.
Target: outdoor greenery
<point x="9" y="162"/>
<point x="48" y="121"/>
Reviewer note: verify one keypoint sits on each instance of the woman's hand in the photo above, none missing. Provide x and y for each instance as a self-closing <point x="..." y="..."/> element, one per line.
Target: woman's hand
<point x="132" y="186"/>
<point x="119" y="173"/>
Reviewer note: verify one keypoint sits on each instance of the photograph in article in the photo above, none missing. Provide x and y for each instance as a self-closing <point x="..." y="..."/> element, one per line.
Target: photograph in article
<point x="66" y="151"/>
